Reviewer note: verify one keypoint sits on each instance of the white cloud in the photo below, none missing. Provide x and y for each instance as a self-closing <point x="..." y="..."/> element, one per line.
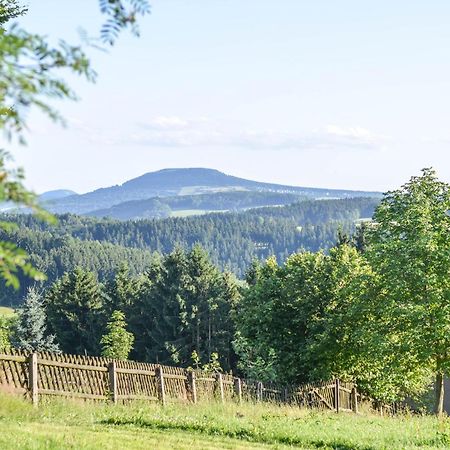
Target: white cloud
<point x="174" y="131"/>
<point x="166" y="123"/>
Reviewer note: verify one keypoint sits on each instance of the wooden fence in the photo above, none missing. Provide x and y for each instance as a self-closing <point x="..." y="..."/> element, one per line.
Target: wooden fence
<point x="39" y="375"/>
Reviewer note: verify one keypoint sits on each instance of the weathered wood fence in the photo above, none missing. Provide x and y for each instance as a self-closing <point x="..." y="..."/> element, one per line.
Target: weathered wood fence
<point x="39" y="375"/>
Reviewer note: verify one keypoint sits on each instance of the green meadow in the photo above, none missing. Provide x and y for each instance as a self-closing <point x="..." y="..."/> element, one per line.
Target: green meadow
<point x="61" y="424"/>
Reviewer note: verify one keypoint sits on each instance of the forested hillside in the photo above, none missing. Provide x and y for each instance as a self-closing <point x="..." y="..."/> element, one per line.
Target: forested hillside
<point x="179" y="205"/>
<point x="233" y="240"/>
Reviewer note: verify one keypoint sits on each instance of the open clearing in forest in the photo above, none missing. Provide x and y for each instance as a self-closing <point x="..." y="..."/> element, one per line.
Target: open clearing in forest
<point x="60" y="424"/>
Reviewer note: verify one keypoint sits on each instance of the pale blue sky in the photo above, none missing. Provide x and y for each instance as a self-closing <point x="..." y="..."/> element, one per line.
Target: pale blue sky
<point x="345" y="94"/>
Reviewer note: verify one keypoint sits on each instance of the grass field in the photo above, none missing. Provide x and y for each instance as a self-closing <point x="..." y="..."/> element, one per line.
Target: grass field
<point x="5" y="311"/>
<point x="63" y="424"/>
<point x="194" y="212"/>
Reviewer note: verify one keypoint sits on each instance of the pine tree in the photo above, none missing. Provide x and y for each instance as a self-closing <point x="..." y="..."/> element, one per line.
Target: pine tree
<point x="117" y="343"/>
<point x="30" y="332"/>
<point x="123" y="291"/>
<point x="185" y="307"/>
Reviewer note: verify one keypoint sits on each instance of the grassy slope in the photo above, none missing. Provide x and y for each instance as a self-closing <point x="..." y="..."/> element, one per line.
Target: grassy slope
<point x="81" y="426"/>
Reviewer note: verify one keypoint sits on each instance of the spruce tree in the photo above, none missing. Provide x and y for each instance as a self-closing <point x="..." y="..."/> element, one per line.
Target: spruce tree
<point x="74" y="312"/>
<point x="30" y="332"/>
<point x="185" y="307"/>
<point x="123" y="291"/>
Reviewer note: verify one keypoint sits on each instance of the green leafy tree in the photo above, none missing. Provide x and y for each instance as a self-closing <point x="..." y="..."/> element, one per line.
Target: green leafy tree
<point x="409" y="248"/>
<point x="30" y="331"/>
<point x="30" y="77"/>
<point x="75" y="312"/>
<point x="349" y="338"/>
<point x="258" y="356"/>
<point x="117" y="343"/>
<point x="6" y="325"/>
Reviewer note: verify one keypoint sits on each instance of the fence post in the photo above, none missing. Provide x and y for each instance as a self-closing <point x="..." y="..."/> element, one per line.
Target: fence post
<point x="354" y="399"/>
<point x="113" y="381"/>
<point x="219" y="381"/>
<point x="285" y="395"/>
<point x="192" y="385"/>
<point x="259" y="391"/>
<point x="238" y="389"/>
<point x="336" y="394"/>
<point x="33" y="378"/>
<point x="161" y="388"/>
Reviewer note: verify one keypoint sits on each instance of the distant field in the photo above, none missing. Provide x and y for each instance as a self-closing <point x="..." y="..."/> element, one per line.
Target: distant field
<point x="193" y="212"/>
<point x="5" y="311"/>
<point x="75" y="425"/>
<point x="193" y="190"/>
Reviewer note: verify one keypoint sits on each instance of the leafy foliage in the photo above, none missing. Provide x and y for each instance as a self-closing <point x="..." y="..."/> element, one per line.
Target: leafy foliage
<point x="117" y="342"/>
<point x="6" y="325"/>
<point x="410" y="251"/>
<point x="121" y="14"/>
<point x="30" y="78"/>
<point x="10" y="9"/>
<point x="375" y="309"/>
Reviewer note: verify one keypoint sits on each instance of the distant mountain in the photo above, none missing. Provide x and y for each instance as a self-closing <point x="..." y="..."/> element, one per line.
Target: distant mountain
<point x="43" y="198"/>
<point x="182" y="182"/>
<point x="56" y="195"/>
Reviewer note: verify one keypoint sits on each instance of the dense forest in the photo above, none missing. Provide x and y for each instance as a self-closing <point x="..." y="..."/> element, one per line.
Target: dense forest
<point x="162" y="207"/>
<point x="232" y="240"/>
<point x="373" y="309"/>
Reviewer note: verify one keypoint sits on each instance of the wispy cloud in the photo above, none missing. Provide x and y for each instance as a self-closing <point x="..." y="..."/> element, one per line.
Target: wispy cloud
<point x="174" y="131"/>
<point x="166" y="123"/>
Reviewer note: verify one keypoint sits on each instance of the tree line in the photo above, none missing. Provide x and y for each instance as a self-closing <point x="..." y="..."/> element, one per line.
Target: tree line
<point x="374" y="309"/>
<point x="178" y="312"/>
<point x="232" y="240"/>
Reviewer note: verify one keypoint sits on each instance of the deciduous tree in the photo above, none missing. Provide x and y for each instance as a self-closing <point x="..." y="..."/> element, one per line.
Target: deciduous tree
<point x="117" y="342"/>
<point x="410" y="251"/>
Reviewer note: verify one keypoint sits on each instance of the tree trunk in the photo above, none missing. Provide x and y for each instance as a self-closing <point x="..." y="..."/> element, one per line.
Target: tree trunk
<point x="439" y="392"/>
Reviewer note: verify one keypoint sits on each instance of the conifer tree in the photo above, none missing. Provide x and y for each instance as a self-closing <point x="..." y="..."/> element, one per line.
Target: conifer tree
<point x="30" y="332"/>
<point x="117" y="342"/>
<point x="74" y="312"/>
<point x="123" y="291"/>
<point x="185" y="307"/>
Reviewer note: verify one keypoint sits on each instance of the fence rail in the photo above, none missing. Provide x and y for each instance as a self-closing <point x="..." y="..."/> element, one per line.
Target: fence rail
<point x="95" y="378"/>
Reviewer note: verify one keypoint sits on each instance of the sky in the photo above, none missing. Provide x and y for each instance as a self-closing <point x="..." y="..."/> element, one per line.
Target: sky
<point x="350" y="94"/>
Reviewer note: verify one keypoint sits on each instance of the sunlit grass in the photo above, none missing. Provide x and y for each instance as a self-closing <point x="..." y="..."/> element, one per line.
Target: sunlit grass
<point x="5" y="311"/>
<point x="68" y="424"/>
